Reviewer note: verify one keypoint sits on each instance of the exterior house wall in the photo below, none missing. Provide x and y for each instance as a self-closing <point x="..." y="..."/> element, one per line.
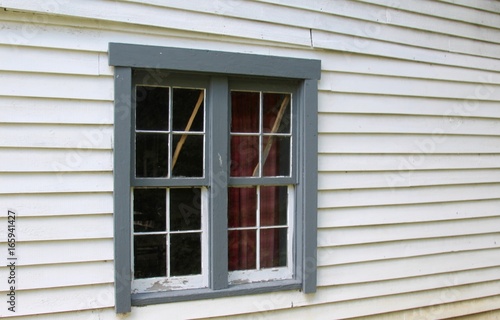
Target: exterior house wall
<point x="409" y="150"/>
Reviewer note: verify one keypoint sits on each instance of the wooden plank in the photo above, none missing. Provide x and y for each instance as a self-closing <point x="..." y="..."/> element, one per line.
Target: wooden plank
<point x="349" y="44"/>
<point x="56" y="183"/>
<point x="48" y="60"/>
<point x="55" y="160"/>
<point x="453" y="109"/>
<point x="414" y="195"/>
<point x="407" y="178"/>
<point x="409" y="143"/>
<point x="407" y="267"/>
<point x="391" y="15"/>
<point x="393" y="214"/>
<point x="68" y="274"/>
<point x="36" y="110"/>
<point x="44" y="301"/>
<point x="364" y="64"/>
<point x="65" y="251"/>
<point x="371" y="84"/>
<point x="396" y="232"/>
<point x="405" y="163"/>
<point x="45" y="85"/>
<point x="403" y="124"/>
<point x="57" y="204"/>
<point x="60" y="228"/>
<point x="338" y="255"/>
<point x="141" y="14"/>
<point x="454" y="12"/>
<point x="80" y="137"/>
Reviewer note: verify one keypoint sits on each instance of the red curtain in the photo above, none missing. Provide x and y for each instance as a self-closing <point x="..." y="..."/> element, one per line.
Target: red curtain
<point x="243" y="201"/>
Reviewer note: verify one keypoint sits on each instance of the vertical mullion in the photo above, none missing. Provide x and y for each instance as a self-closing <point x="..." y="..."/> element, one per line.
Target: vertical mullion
<point x="218" y="138"/>
<point x="170" y="126"/>
<point x="257" y="236"/>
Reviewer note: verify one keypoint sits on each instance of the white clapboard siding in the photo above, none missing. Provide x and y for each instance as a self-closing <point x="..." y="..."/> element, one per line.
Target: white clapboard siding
<point x="55" y="160"/>
<point x="65" y="251"/>
<point x="456" y="110"/>
<point x="396" y="214"/>
<point x="394" y="232"/>
<point x="59" y="228"/>
<point x="57" y="204"/>
<point x="44" y="85"/>
<point x="48" y="60"/>
<point x="81" y="137"/>
<point x="51" y="300"/>
<point x="56" y="182"/>
<point x="336" y="255"/>
<point x="370" y="123"/>
<point x="394" y="196"/>
<point x="408" y="178"/>
<point x="405" y="163"/>
<point x="434" y="142"/>
<point x="60" y="111"/>
<point x="60" y="275"/>
<point x="391" y="15"/>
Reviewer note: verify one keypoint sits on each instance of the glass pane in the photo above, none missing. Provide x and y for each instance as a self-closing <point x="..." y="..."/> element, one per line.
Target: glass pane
<point x="244" y="156"/>
<point x="185" y="254"/>
<point x="245" y="111"/>
<point x="242" y="250"/>
<point x="273" y="205"/>
<point x="149" y="210"/>
<point x="276" y="113"/>
<point x="187" y="109"/>
<point x="242" y="209"/>
<point x="185" y="209"/>
<point x="151" y="108"/>
<point x="273" y="248"/>
<point x="187" y="156"/>
<point x="149" y="256"/>
<point x="276" y="156"/>
<point x="151" y="155"/>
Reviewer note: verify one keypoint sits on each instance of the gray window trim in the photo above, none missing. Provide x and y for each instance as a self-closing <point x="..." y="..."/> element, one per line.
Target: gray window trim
<point x="126" y="57"/>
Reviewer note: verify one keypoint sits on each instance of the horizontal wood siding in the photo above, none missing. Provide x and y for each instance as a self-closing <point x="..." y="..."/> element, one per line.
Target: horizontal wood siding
<point x="409" y="150"/>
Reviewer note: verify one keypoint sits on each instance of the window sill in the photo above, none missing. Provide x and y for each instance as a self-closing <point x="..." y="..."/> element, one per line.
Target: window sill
<point x="143" y="299"/>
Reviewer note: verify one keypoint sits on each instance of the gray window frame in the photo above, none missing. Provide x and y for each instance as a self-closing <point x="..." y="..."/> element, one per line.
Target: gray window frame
<point x="220" y="67"/>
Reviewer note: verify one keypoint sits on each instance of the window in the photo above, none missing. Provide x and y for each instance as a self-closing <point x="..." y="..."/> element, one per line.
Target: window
<point x="215" y="174"/>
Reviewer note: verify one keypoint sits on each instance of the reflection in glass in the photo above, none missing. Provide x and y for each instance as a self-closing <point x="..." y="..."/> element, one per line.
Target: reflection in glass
<point x="185" y="254"/>
<point x="185" y="209"/>
<point x="244" y="155"/>
<point x="276" y="156"/>
<point x="188" y="162"/>
<point x="188" y="107"/>
<point x="149" y="210"/>
<point x="276" y="113"/>
<point x="151" y="108"/>
<point x="245" y="111"/>
<point x="151" y="155"/>
<point x="273" y="205"/>
<point x="242" y="210"/>
<point x="149" y="256"/>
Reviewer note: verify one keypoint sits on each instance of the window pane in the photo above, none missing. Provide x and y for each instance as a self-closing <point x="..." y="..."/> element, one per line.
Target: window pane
<point x="276" y="156"/>
<point x="185" y="209"/>
<point x="242" y="250"/>
<point x="149" y="210"/>
<point x="244" y="155"/>
<point x="242" y="209"/>
<point x="185" y="254"/>
<point x="276" y="113"/>
<point x="151" y="155"/>
<point x="245" y="111"/>
<point x="187" y="156"/>
<point x="151" y="108"/>
<point x="149" y="256"/>
<point x="273" y="205"/>
<point x="273" y="247"/>
<point x="186" y="117"/>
